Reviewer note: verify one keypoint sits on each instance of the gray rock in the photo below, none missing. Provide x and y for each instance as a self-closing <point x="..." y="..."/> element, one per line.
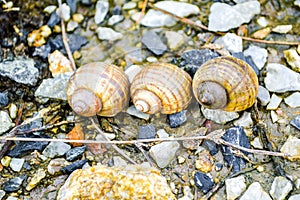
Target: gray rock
<point x="132" y="71"/>
<point x="164" y="153"/>
<point x="75" y="153"/>
<point x="101" y="11"/>
<point x="71" y="26"/>
<point x="291" y="146"/>
<point x="174" y="39"/>
<point x="130" y="5"/>
<point x="2" y="194"/>
<point x="255" y="191"/>
<point x="263" y="95"/>
<point x="245" y="120"/>
<point x="64" y="12"/>
<point x="274" y="102"/>
<point x="256" y="143"/>
<point x="12" y="198"/>
<point x="279" y="78"/>
<point x="282" y="28"/>
<point x="293" y="59"/>
<point x="16" y="164"/>
<point x="119" y="161"/>
<point x="134" y="112"/>
<point x="296" y="196"/>
<point x="20" y="70"/>
<point x="54" y="87"/>
<point x="219" y="116"/>
<point x="259" y="55"/>
<point x="153" y="42"/>
<point x="280" y="188"/>
<point x="155" y="18"/>
<point x="56" y="149"/>
<point x="108" y="34"/>
<point x="235" y="187"/>
<point x="177" y="119"/>
<point x="56" y="165"/>
<point x="14" y="184"/>
<point x="147" y="131"/>
<point x="115" y="19"/>
<point x="293" y="100"/>
<point x="231" y="42"/>
<point x="232" y="16"/>
<point x="161" y="133"/>
<point x="5" y="122"/>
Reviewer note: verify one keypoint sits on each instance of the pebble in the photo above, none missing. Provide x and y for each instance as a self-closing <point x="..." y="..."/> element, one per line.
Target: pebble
<point x="78" y="17"/>
<point x="262" y="21"/>
<point x="134" y="112"/>
<point x="50" y="9"/>
<point x="54" y="87"/>
<point x="219" y="116"/>
<point x="296" y="122"/>
<point x="72" y="167"/>
<point x="203" y="181"/>
<point x="282" y="28"/>
<point x="75" y="153"/>
<point x="21" y="70"/>
<point x="174" y="40"/>
<point x="16" y="164"/>
<point x="255" y="191"/>
<point x="14" y="184"/>
<point x="101" y="11"/>
<point x="72" y="4"/>
<point x="147" y="132"/>
<point x="87" y="2"/>
<point x="279" y="78"/>
<point x="256" y="143"/>
<point x="5" y="161"/>
<point x="153" y="42"/>
<point x="232" y="16"/>
<point x="237" y="136"/>
<point x="297" y="3"/>
<point x="36" y="179"/>
<point x="293" y="59"/>
<point x="4" y="100"/>
<point x="56" y="149"/>
<point x="2" y="194"/>
<point x="42" y="51"/>
<point x="161" y="133"/>
<point x="75" y="42"/>
<point x="119" y="161"/>
<point x="24" y="148"/>
<point x="235" y="187"/>
<point x="296" y="196"/>
<point x="38" y="37"/>
<point x="258" y="54"/>
<point x="53" y="20"/>
<point x="129" y="5"/>
<point x="12" y="198"/>
<point x="115" y="19"/>
<point x="211" y="146"/>
<point x="163" y="153"/>
<point x="56" y="165"/>
<point x="231" y="42"/>
<point x="291" y="147"/>
<point x="293" y="100"/>
<point x="64" y="12"/>
<point x="132" y="71"/>
<point x="204" y="162"/>
<point x="58" y="63"/>
<point x="13" y="110"/>
<point x="245" y="120"/>
<point x="180" y="159"/>
<point x="262" y="33"/>
<point x="280" y="188"/>
<point x="72" y="25"/>
<point x="263" y="95"/>
<point x="138" y="181"/>
<point x="274" y="102"/>
<point x="177" y="119"/>
<point x="5" y="122"/>
<point x="108" y="34"/>
<point x="155" y="18"/>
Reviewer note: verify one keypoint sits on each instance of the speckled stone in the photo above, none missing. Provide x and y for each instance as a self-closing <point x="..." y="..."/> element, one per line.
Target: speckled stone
<point x="280" y="188"/>
<point x="56" y="149"/>
<point x="37" y="177"/>
<point x="100" y="182"/>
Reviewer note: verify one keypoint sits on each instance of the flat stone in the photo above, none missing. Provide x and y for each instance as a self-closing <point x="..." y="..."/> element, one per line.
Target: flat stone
<point x="235" y="187"/>
<point x="203" y="181"/>
<point x="72" y="167"/>
<point x="134" y="112"/>
<point x="161" y="133"/>
<point x="256" y="143"/>
<point x="108" y="34"/>
<point x="20" y="70"/>
<point x="245" y="120"/>
<point x="72" y="25"/>
<point x="296" y="122"/>
<point x="101" y="11"/>
<point x="5" y="122"/>
<point x="56" y="165"/>
<point x="177" y="119"/>
<point x="119" y="161"/>
<point x="219" y="116"/>
<point x="174" y="40"/>
<point x="129" y="5"/>
<point x="255" y="191"/>
<point x="280" y="79"/>
<point x="64" y="12"/>
<point x="75" y="153"/>
<point x="115" y="19"/>
<point x="280" y="188"/>
<point x="56" y="149"/>
<point x="293" y="100"/>
<point x="291" y="147"/>
<point x="258" y="54"/>
<point x="147" y="131"/>
<point x="24" y="148"/>
<point x="14" y="184"/>
<point x="232" y="16"/>
<point x="35" y="180"/>
<point x="293" y="59"/>
<point x="163" y="153"/>
<point x="274" y="102"/>
<point x="16" y="164"/>
<point x="296" y="196"/>
<point x="282" y="28"/>
<point x="263" y="95"/>
<point x="153" y="42"/>
<point x="231" y="42"/>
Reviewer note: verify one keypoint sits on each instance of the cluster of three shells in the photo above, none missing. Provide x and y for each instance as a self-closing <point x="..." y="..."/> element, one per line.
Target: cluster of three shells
<point x="103" y="89"/>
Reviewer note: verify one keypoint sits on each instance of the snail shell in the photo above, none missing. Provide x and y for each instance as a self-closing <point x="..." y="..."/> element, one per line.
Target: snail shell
<point x="226" y="83"/>
<point x="98" y="89"/>
<point x="161" y="87"/>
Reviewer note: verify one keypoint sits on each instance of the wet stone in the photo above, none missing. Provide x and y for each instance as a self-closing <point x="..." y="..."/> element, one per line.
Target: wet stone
<point x="72" y="167"/>
<point x="235" y="187"/>
<point x="16" y="164"/>
<point x="14" y="184"/>
<point x="20" y="70"/>
<point x="263" y="95"/>
<point x="147" y="131"/>
<point x="75" y="153"/>
<point x="56" y="149"/>
<point x="4" y="100"/>
<point x="280" y="188"/>
<point x="236" y="136"/>
<point x="255" y="190"/>
<point x="153" y="42"/>
<point x="177" y="119"/>
<point x="231" y="42"/>
<point x="101" y="11"/>
<point x="5" y="122"/>
<point x="203" y="181"/>
<point x="296" y="122"/>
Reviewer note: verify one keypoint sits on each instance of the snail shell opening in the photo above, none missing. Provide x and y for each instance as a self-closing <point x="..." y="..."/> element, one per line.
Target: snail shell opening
<point x="85" y="103"/>
<point x="146" y="101"/>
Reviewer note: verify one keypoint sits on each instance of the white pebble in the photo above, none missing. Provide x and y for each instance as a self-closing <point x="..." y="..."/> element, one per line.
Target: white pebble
<point x="274" y="102"/>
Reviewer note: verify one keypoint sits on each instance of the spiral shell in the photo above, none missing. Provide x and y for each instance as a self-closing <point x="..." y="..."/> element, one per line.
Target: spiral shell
<point x="161" y="87"/>
<point x="226" y="83"/>
<point x="98" y="89"/>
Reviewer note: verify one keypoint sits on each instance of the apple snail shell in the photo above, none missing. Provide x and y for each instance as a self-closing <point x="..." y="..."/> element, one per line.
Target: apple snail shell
<point x="226" y="83"/>
<point x="161" y="87"/>
<point x="98" y="88"/>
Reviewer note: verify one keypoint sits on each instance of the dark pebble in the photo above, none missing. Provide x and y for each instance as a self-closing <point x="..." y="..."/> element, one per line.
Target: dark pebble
<point x="42" y="51"/>
<point x="247" y="59"/>
<point x="75" y="41"/>
<point x="7" y="42"/>
<point x="177" y="119"/>
<point x="14" y="184"/>
<point x="147" y="131"/>
<point x="26" y="166"/>
<point x="117" y="10"/>
<point x="211" y="146"/>
<point x="296" y="122"/>
<point x="218" y="167"/>
<point x="86" y="2"/>
<point x="4" y="100"/>
<point x="32" y="125"/>
<point x="203" y="182"/>
<point x="53" y="20"/>
<point x="75" y="153"/>
<point x="237" y="136"/>
<point x="24" y="148"/>
<point x="73" y="5"/>
<point x="191" y="60"/>
<point x="72" y="167"/>
<point x="153" y="42"/>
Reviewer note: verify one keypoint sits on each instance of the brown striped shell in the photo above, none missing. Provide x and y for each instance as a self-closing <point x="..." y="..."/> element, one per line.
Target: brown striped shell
<point x="161" y="87"/>
<point x="98" y="89"/>
<point x="226" y="83"/>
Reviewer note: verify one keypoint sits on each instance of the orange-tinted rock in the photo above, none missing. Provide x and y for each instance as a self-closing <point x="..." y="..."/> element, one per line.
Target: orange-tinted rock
<point x="76" y="134"/>
<point x="58" y="63"/>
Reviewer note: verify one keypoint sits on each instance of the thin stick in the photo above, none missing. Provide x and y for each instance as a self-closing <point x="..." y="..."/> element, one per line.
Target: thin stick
<point x="142" y="12"/>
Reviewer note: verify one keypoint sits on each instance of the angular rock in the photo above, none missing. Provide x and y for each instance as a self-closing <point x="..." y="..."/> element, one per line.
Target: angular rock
<point x="274" y="102"/>
<point x="56" y="149"/>
<point x="263" y="95"/>
<point x="174" y="39"/>
<point x="24" y="148"/>
<point x="231" y="42"/>
<point x="280" y="188"/>
<point x="296" y="196"/>
<point x="147" y="131"/>
<point x="153" y="42"/>
<point x="75" y="42"/>
<point x="101" y="11"/>
<point x="108" y="34"/>
<point x="16" y="164"/>
<point x="64" y="12"/>
<point x="72" y="167"/>
<point x="53" y="20"/>
<point x="203" y="181"/>
<point x="177" y="119"/>
<point x="235" y="187"/>
<point x="258" y="54"/>
<point x="291" y="147"/>
<point x="14" y="184"/>
<point x="245" y="120"/>
<point x="35" y="180"/>
<point x="293" y="100"/>
<point x="282" y="28"/>
<point x="56" y="165"/>
<point x="134" y="112"/>
<point x="5" y="122"/>
<point x="255" y="191"/>
<point x="296" y="122"/>
<point x="232" y="16"/>
<point x="75" y="153"/>
<point x="115" y="19"/>
<point x="4" y="100"/>
<point x="219" y="116"/>
<point x="293" y="59"/>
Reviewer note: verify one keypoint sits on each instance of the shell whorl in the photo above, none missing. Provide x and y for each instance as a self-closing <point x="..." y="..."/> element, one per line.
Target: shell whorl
<point x="105" y="81"/>
<point x="236" y="77"/>
<point x="168" y="88"/>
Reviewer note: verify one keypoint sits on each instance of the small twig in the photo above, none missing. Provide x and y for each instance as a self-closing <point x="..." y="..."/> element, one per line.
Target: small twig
<point x="142" y="12"/>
